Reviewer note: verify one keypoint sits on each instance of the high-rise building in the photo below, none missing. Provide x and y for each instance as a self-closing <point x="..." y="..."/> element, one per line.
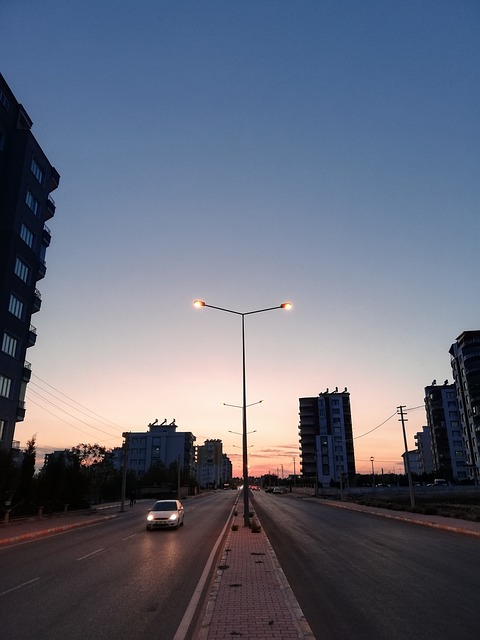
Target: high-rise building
<point x="326" y="437"/>
<point x="26" y="181"/>
<point x="465" y="361"/>
<point x="443" y="419"/>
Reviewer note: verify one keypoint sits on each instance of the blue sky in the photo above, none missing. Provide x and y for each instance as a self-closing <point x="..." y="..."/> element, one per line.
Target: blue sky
<point x="249" y="153"/>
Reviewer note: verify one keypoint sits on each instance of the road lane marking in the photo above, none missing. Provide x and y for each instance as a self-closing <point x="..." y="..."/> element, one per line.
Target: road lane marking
<point x="197" y="594"/>
<point x="93" y="553"/>
<point x="19" y="586"/>
<point x="132" y="536"/>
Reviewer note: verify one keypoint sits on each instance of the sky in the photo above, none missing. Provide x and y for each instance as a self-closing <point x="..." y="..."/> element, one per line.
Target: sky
<point x="324" y="152"/>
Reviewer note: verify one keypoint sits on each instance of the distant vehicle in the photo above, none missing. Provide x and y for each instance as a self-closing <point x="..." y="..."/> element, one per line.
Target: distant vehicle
<point x="440" y="482"/>
<point x="167" y="514"/>
<point x="268" y="489"/>
<point x="279" y="490"/>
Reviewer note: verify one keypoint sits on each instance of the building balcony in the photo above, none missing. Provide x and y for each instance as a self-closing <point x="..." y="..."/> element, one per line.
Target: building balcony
<point x="50" y="208"/>
<point x="308" y="430"/>
<point x="42" y="269"/>
<point x="32" y="336"/>
<point x="54" y="179"/>
<point x="47" y="236"/>
<point x="37" y="301"/>
<point x="27" y="371"/>
<point x="20" y="411"/>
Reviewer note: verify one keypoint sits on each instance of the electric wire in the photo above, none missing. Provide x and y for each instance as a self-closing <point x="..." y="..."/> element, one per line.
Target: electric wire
<point x="72" y="400"/>
<point x="63" y="420"/>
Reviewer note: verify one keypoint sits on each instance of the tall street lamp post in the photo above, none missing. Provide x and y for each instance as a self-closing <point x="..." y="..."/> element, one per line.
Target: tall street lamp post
<point x="285" y="305"/>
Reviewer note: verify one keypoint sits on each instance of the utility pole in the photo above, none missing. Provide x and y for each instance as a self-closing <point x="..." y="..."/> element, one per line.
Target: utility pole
<point x="178" y="478"/>
<point x="294" y="474"/>
<point x="407" y="459"/>
<point x="124" y="470"/>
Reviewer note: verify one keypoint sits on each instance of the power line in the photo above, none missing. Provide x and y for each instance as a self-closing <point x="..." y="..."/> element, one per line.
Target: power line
<point x="375" y="428"/>
<point x="65" y="421"/>
<point x="72" y="400"/>
<point x="67" y="413"/>
<point x="421" y="406"/>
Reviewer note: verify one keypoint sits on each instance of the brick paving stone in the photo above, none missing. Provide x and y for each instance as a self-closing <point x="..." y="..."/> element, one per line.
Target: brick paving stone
<point x="250" y="597"/>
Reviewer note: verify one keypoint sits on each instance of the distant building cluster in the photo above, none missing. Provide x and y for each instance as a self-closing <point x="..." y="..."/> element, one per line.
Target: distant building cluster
<point x="163" y="445"/>
<point x="448" y="445"/>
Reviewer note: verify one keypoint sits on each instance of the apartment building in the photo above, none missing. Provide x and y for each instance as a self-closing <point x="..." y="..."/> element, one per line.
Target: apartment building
<point x="443" y="419"/>
<point x="326" y="437"/>
<point x="210" y="465"/>
<point x="26" y="181"/>
<point x="423" y="441"/>
<point x="163" y="444"/>
<point x="465" y="362"/>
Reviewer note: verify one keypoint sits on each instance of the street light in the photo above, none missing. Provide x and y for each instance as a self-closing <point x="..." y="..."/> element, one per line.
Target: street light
<point x="285" y="305"/>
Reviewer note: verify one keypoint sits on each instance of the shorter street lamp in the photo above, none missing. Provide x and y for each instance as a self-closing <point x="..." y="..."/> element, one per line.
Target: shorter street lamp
<point x="285" y="305"/>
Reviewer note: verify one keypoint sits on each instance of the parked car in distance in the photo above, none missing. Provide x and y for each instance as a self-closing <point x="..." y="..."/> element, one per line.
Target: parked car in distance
<point x="165" y="514"/>
<point x="439" y="482"/>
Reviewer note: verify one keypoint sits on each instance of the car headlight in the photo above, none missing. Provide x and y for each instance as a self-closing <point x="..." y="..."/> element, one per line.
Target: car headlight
<point x="150" y="517"/>
<point x="173" y="516"/>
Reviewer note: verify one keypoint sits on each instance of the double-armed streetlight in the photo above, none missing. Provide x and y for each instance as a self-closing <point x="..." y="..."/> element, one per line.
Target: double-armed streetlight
<point x="284" y="305"/>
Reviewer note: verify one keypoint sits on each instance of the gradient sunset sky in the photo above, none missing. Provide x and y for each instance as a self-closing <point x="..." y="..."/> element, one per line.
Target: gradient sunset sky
<point x="248" y="153"/>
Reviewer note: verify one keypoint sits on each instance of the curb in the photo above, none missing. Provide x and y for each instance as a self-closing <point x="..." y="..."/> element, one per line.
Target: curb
<point x="42" y="533"/>
<point x="410" y="520"/>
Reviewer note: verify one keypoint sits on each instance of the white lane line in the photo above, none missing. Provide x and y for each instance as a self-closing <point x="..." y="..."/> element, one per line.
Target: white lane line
<point x="128" y="537"/>
<point x="19" y="586"/>
<point x="195" y="599"/>
<point x="89" y="555"/>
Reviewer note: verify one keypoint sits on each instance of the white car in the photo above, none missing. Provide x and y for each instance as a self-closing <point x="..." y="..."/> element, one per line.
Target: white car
<point x="165" y="514"/>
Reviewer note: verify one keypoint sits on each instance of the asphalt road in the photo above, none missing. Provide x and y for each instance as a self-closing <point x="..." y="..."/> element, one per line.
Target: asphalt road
<point x="111" y="580"/>
<point x="363" y="577"/>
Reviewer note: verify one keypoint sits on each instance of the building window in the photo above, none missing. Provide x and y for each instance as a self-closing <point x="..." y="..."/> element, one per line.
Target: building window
<point x="37" y="172"/>
<point x="4" y="100"/>
<point x="21" y="270"/>
<point x="27" y="236"/>
<point x="3" y="429"/>
<point x="5" y="386"/>
<point x="9" y="345"/>
<point x="16" y="306"/>
<point x="32" y="203"/>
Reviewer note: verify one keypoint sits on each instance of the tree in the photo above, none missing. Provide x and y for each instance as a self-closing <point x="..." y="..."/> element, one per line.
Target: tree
<point x="8" y="476"/>
<point x="26" y="492"/>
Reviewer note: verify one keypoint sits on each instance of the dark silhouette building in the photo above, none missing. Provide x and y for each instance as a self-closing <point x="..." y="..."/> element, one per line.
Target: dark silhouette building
<point x="465" y="361"/>
<point x="26" y="180"/>
<point x="326" y="437"/>
<point x="443" y="419"/>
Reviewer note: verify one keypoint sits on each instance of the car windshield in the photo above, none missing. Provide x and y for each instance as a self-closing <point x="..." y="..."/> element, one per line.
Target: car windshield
<point x="168" y="505"/>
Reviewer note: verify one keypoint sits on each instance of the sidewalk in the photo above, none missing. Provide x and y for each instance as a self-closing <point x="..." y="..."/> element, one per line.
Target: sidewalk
<point x="250" y="597"/>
